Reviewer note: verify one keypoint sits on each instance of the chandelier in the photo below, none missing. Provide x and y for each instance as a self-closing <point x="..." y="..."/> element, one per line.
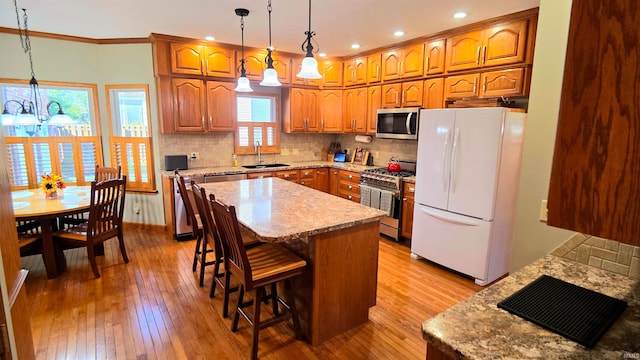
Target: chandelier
<point x="31" y="111"/>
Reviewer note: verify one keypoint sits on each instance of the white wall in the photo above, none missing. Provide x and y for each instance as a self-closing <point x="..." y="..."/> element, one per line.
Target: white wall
<point x="532" y="238"/>
<point x="66" y="61"/>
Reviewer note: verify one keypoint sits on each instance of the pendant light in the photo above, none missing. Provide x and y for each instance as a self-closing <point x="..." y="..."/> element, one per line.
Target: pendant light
<point x="270" y="77"/>
<point x="309" y="68"/>
<point x="243" y="82"/>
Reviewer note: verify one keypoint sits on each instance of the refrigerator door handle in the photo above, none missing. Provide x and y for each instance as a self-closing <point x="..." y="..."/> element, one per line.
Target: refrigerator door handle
<point x="445" y="174"/>
<point x="454" y="152"/>
<point x="450" y="219"/>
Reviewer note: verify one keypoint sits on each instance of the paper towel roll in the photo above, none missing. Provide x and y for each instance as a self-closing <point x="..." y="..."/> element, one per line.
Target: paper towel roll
<point x="363" y="138"/>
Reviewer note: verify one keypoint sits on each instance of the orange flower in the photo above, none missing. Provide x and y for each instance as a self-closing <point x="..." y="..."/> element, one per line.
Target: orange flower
<point x="50" y="183"/>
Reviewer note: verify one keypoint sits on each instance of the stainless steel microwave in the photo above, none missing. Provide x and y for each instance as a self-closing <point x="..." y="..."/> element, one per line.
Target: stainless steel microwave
<point x="401" y="123"/>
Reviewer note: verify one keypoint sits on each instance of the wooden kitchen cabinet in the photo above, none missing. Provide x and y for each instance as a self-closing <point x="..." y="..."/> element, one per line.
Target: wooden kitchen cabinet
<point x="595" y="174"/>
<point x="374" y="68"/>
<point x="498" y="45"/>
<point x="403" y="62"/>
<point x="355" y="111"/>
<point x="334" y="180"/>
<point x="434" y="52"/>
<point x="355" y="71"/>
<point x="402" y="94"/>
<point x="331" y="71"/>
<point x="330" y="111"/>
<point x="202" y="60"/>
<point x="433" y="90"/>
<point x="301" y="110"/>
<point x="307" y="178"/>
<point x="374" y="102"/>
<point x="409" y="190"/>
<point x="188" y="97"/>
<point x="220" y="106"/>
<point x="320" y="179"/>
<point x="289" y="175"/>
<point x="255" y="65"/>
<point x="511" y="82"/>
<point x="349" y="185"/>
<point x="260" y="175"/>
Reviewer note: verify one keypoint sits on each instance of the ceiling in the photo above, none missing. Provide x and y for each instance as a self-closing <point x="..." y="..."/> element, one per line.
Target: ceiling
<point x="337" y="23"/>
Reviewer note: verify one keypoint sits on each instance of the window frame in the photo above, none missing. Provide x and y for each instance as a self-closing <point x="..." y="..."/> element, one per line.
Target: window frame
<point x="54" y="142"/>
<point x="276" y="125"/>
<point x="118" y="144"/>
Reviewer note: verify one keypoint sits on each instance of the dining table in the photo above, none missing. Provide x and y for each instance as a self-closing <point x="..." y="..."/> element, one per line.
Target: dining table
<point x="33" y="205"/>
<point x="338" y="239"/>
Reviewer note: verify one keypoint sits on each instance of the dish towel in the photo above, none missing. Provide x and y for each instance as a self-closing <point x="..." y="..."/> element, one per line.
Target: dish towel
<point x="375" y="198"/>
<point x="386" y="202"/>
<point x="365" y="195"/>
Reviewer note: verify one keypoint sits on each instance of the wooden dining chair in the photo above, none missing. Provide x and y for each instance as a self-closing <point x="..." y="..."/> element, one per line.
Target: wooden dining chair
<point x="257" y="268"/>
<point x="105" y="221"/>
<point x="107" y="173"/>
<point x="29" y="237"/>
<point x="193" y="219"/>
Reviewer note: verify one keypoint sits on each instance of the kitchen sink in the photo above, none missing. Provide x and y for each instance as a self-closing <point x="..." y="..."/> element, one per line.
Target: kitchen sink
<point x="262" y="166"/>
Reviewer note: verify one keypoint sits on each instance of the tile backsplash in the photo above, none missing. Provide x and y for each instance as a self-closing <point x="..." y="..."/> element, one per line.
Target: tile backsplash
<point x="216" y="149"/>
<point x="602" y="253"/>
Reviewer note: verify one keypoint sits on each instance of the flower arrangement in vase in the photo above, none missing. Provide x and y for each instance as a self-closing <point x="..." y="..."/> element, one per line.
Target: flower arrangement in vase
<point x="50" y="183"/>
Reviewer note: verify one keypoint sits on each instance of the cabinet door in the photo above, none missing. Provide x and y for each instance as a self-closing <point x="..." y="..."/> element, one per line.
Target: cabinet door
<point x="321" y="179"/>
<point x="391" y="96"/>
<point x="412" y="61"/>
<point x="374" y="68"/>
<point x="349" y="72"/>
<point x="331" y="71"/>
<point x="297" y="110"/>
<point x="186" y="59"/>
<point x="188" y="105"/>
<point x="504" y="44"/>
<point x="407" y="210"/>
<point x="503" y="83"/>
<point x="434" y="57"/>
<point x="461" y="86"/>
<point x="333" y="181"/>
<point x="312" y="109"/>
<point x="433" y="90"/>
<point x="355" y="111"/>
<point x="391" y="64"/>
<point x="412" y="93"/>
<point x="219" y="62"/>
<point x="331" y="111"/>
<point x="463" y="51"/>
<point x="253" y="64"/>
<point x="282" y="65"/>
<point x="360" y="74"/>
<point x="374" y="102"/>
<point x="296" y="65"/>
<point x="220" y="106"/>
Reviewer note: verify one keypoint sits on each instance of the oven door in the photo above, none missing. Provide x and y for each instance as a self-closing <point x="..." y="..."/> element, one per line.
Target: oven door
<point x="385" y="200"/>
<point x="397" y="123"/>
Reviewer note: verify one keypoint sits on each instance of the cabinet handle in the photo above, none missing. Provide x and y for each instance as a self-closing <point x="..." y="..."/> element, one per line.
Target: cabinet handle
<point x="349" y="197"/>
<point x="210" y="122"/>
<point x="202" y="121"/>
<point x="350" y="187"/>
<point x="350" y="176"/>
<point x="397" y="99"/>
<point x="426" y="65"/>
<point x="403" y="98"/>
<point x="202" y="69"/>
<point x="475" y="83"/>
<point x="307" y="173"/>
<point x="404" y="199"/>
<point x="335" y="173"/>
<point x="286" y="176"/>
<point x="401" y="67"/>
<point x="478" y="56"/>
<point x="484" y="85"/>
<point x="301" y="182"/>
<point x="411" y="189"/>
<point x="484" y="54"/>
<point x="377" y="71"/>
<point x="322" y="124"/>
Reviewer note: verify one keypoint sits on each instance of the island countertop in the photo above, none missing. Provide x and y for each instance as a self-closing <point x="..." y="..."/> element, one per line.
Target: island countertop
<point x="477" y="329"/>
<point x="278" y="210"/>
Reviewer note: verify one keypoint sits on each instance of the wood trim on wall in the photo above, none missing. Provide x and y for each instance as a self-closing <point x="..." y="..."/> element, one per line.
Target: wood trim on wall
<point x="78" y="38"/>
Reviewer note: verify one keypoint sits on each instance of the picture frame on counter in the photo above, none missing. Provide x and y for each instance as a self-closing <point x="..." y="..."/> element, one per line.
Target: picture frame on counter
<point x="360" y="156"/>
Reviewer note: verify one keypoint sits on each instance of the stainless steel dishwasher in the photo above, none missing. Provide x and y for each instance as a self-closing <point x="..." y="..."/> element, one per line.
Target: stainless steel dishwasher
<point x="183" y="230"/>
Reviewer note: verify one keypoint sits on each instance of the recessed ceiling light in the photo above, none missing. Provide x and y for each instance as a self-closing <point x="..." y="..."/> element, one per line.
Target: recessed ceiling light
<point x="398" y="33"/>
<point x="355" y="46"/>
<point x="460" y="15"/>
<point x="322" y="54"/>
<point x="209" y="38"/>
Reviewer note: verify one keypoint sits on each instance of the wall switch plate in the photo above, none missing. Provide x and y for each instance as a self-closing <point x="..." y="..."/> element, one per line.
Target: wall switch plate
<point x="195" y="155"/>
<point x="543" y="211"/>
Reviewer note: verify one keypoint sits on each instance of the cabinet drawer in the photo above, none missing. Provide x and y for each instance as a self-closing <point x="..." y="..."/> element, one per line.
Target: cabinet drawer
<point x="349" y="176"/>
<point x="306" y="173"/>
<point x="348" y="188"/>
<point x="409" y="190"/>
<point x="259" y="175"/>
<point x="350" y="196"/>
<point x="290" y="175"/>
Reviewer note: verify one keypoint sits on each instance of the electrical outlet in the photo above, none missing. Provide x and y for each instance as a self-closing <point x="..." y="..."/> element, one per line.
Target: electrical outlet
<point x="195" y="155"/>
<point x="136" y="207"/>
<point x="543" y="211"/>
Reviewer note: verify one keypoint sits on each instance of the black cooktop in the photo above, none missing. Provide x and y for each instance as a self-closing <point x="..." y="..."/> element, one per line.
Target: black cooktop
<point x="384" y="171"/>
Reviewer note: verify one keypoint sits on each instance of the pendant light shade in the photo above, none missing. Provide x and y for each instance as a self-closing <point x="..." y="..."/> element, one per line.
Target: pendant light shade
<point x="243" y="82"/>
<point x="309" y="68"/>
<point x="270" y="76"/>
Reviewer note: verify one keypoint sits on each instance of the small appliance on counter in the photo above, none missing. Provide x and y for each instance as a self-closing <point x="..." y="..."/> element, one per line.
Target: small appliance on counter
<point x="176" y="162"/>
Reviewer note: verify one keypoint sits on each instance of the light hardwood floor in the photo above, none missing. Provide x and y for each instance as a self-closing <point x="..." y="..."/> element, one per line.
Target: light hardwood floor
<point x="152" y="308"/>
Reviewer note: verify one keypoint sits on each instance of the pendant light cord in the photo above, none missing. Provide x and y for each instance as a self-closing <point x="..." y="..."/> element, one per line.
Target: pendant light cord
<point x="24" y="41"/>
<point x="269" y="9"/>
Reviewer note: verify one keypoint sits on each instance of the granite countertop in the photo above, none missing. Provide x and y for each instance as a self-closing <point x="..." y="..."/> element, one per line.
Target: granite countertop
<point x="228" y="170"/>
<point x="278" y="210"/>
<point x="477" y="329"/>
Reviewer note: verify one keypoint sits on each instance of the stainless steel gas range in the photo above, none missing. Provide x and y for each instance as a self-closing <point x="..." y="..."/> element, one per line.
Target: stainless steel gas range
<point x="382" y="189"/>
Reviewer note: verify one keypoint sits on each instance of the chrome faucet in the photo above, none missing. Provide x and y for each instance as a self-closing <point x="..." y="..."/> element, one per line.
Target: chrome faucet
<point x="256" y="147"/>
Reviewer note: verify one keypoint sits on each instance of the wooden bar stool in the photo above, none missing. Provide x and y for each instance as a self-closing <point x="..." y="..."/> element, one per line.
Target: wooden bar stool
<point x="256" y="269"/>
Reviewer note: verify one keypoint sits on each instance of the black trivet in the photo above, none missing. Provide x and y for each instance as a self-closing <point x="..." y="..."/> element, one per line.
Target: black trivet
<point x="574" y="312"/>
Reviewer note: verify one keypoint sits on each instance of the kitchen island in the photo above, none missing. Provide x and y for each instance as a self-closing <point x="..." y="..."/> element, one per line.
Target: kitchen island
<point x="338" y="238"/>
<point x="477" y="329"/>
